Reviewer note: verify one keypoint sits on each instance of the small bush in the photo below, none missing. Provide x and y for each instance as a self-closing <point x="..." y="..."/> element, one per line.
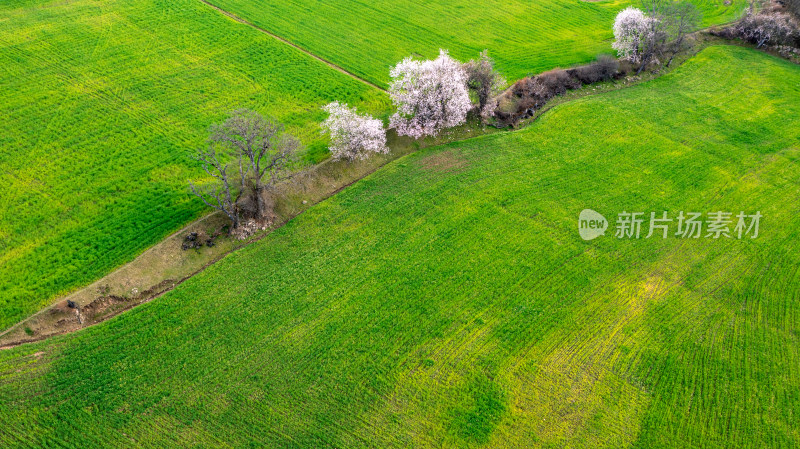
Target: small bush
<point x="605" y="68"/>
<point x="527" y="103"/>
<point x="726" y="33"/>
<point x="529" y="94"/>
<point x="193" y="240"/>
<point x="484" y="82"/>
<point x="557" y="82"/>
<point x="524" y="87"/>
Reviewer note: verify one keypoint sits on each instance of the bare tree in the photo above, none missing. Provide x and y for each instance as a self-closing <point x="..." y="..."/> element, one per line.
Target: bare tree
<point x="217" y="194"/>
<point x="484" y="80"/>
<point x="655" y="39"/>
<point x="262" y="152"/>
<point x="683" y="18"/>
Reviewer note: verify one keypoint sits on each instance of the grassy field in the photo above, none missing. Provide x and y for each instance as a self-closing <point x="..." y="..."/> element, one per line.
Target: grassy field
<point x="102" y="100"/>
<point x="367" y="38"/>
<point x="448" y="301"/>
<point x="101" y="104"/>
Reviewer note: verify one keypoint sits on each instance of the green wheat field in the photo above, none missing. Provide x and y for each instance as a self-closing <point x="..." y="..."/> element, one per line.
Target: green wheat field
<point x="102" y="101"/>
<point x="101" y="104"/>
<point x="443" y="301"/>
<point x="523" y="36"/>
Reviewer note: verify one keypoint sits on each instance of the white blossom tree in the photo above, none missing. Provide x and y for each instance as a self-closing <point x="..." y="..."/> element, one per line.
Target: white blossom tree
<point x="631" y="33"/>
<point x="429" y="95"/>
<point x="767" y="28"/>
<point x="353" y="136"/>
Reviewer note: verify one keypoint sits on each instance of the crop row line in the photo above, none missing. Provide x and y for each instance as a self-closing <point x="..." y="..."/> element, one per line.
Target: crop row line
<point x="287" y="42"/>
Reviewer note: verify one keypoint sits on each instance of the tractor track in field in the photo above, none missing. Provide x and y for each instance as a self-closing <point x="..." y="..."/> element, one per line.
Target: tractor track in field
<point x="330" y="64"/>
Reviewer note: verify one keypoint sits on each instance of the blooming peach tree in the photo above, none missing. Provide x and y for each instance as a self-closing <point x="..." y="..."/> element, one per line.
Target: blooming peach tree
<point x="631" y="33"/>
<point x="429" y="95"/>
<point x="353" y="135"/>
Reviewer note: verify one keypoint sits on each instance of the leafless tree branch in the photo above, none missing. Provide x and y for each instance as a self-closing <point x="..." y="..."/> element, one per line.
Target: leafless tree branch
<point x="263" y="153"/>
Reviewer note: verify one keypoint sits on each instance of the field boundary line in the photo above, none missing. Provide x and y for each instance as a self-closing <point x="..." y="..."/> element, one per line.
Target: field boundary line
<point x="292" y="44"/>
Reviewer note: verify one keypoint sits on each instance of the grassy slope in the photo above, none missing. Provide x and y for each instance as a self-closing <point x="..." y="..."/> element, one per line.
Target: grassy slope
<point x="448" y="301"/>
<point x="101" y="102"/>
<point x="368" y="37"/>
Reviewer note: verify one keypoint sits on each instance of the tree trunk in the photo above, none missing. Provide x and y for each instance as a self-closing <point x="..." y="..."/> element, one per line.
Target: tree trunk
<point x="262" y="208"/>
<point x="678" y="44"/>
<point x="671" y="57"/>
<point x="644" y="64"/>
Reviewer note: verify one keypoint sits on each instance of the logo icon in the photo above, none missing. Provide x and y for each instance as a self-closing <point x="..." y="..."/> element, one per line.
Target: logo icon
<point x="591" y="224"/>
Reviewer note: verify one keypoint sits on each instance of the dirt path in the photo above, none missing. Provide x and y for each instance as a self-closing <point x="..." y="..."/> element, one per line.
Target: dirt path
<point x="318" y="58"/>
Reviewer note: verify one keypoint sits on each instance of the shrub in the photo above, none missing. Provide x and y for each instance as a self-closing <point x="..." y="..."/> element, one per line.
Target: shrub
<point x="604" y="69"/>
<point x="532" y="93"/>
<point x="557" y="82"/>
<point x="353" y="136"/>
<point x="524" y="87"/>
<point x="529" y="94"/>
